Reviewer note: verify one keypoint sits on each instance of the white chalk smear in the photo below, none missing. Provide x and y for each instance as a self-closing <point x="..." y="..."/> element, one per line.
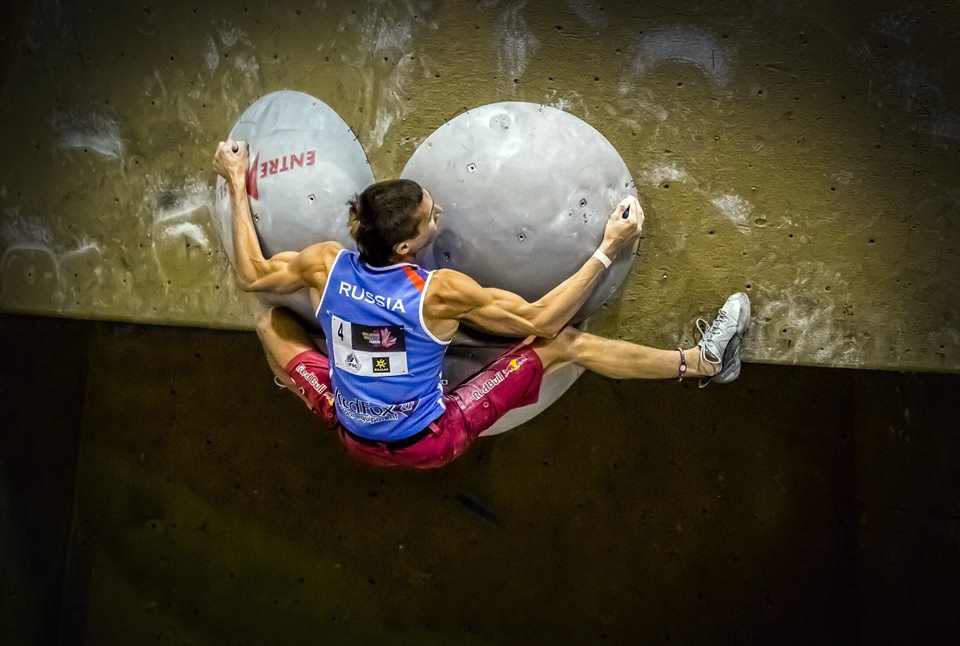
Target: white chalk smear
<point x="231" y="35"/>
<point x="188" y="116"/>
<point x="179" y="210"/>
<point x="734" y="208"/>
<point x="664" y="173"/>
<point x="383" y="32"/>
<point x="391" y="104"/>
<point x="211" y="55"/>
<point x="93" y="132"/>
<point x="680" y="44"/>
<point x="34" y="250"/>
<point x="843" y="178"/>
<point x="168" y="202"/>
<point x="85" y="247"/>
<point x="383" y="97"/>
<point x="797" y="321"/>
<point x="187" y="230"/>
<point x="19" y="229"/>
<point x="515" y="44"/>
<point x="248" y="66"/>
<point x="588" y="11"/>
<point x="566" y="101"/>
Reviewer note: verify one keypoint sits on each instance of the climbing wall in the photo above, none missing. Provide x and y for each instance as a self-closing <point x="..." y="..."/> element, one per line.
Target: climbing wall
<point x="802" y="152"/>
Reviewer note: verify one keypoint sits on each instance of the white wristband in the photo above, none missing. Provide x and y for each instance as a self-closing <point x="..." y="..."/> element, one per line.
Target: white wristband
<point x="602" y="257"/>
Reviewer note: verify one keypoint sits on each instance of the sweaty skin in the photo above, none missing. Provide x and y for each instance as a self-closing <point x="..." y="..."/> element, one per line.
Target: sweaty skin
<point x="453" y="297"/>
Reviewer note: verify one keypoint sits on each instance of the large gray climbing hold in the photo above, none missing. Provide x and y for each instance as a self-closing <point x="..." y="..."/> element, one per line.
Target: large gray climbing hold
<point x="305" y="163"/>
<point x="526" y="191"/>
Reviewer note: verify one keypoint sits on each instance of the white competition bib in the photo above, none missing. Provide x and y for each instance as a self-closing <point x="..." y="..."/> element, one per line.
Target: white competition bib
<point x="369" y="351"/>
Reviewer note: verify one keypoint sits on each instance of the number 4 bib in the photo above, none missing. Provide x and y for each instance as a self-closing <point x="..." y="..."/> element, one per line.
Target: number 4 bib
<point x="370" y="351"/>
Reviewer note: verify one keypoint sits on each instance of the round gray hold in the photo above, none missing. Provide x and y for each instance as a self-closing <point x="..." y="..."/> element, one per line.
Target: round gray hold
<point x="305" y="163"/>
<point x="526" y="191"/>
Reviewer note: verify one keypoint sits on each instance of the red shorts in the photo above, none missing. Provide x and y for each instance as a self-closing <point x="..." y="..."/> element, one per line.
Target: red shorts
<point x="512" y="381"/>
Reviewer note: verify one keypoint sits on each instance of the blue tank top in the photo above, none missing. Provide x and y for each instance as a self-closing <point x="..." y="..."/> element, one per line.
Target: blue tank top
<point x="384" y="364"/>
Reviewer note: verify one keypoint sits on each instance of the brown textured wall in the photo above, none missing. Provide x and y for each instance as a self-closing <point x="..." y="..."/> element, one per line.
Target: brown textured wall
<point x="806" y="152"/>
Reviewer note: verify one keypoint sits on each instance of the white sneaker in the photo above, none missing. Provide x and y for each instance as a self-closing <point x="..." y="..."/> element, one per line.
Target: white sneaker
<point x="721" y="340"/>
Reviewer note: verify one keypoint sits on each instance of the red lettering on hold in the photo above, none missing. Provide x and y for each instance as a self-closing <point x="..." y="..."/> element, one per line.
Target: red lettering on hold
<point x="252" y="189"/>
<point x="279" y="165"/>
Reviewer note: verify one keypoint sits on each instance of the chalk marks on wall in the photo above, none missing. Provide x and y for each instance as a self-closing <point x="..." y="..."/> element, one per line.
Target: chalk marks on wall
<point x="589" y="11"/>
<point x="568" y="101"/>
<point x="378" y="47"/>
<point x="95" y="132"/>
<point x="211" y="54"/>
<point x="707" y="52"/>
<point x="230" y="34"/>
<point x="735" y="209"/>
<point x="655" y="176"/>
<point x="181" y="228"/>
<point x="516" y="44"/>
<point x="37" y="272"/>
<point x="232" y="70"/>
<point x="19" y="229"/>
<point x="803" y="319"/>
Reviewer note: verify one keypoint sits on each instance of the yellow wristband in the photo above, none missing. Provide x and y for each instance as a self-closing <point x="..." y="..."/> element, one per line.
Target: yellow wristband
<point x="602" y="257"/>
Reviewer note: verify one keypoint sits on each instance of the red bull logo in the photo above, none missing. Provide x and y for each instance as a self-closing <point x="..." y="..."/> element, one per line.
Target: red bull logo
<point x="310" y="378"/>
<point x="488" y="385"/>
<point x="515" y="364"/>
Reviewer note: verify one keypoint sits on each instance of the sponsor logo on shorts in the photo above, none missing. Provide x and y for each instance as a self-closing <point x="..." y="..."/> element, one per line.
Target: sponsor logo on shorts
<point x="381" y="364"/>
<point x="310" y="378"/>
<point x="370" y="413"/>
<point x="498" y="378"/>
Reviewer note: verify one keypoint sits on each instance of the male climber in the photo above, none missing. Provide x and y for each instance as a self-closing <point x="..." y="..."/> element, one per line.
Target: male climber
<point x="388" y="323"/>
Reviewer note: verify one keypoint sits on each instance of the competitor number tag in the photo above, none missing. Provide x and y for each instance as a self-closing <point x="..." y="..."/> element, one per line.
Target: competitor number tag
<point x="369" y="351"/>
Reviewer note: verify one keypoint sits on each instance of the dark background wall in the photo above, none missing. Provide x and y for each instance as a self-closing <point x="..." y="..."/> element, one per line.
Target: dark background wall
<point x="42" y="394"/>
<point x="796" y="506"/>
